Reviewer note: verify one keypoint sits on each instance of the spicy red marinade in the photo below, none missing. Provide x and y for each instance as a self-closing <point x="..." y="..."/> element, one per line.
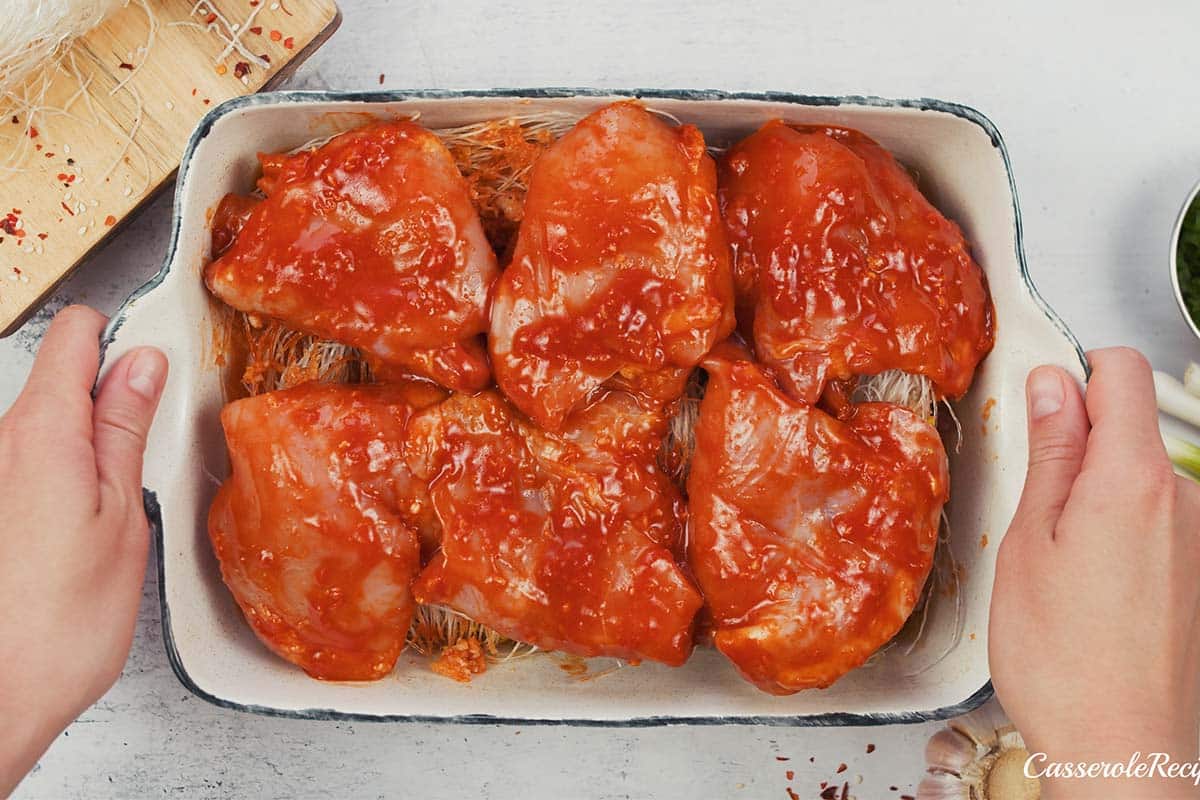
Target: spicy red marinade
<point x="810" y="537"/>
<point x="621" y="271"/>
<point x="566" y="541"/>
<point x="843" y="268"/>
<point x="318" y="528"/>
<point x="370" y="240"/>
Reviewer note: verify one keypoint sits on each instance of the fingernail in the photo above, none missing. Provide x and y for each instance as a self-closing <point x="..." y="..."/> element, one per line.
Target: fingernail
<point x="1045" y="392"/>
<point x="146" y="373"/>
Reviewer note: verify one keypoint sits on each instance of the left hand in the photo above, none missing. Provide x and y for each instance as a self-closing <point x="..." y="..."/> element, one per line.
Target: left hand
<point x="74" y="539"/>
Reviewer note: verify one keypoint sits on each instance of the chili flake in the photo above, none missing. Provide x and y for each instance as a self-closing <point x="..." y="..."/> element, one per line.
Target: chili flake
<point x="125" y="65"/>
<point x="257" y="29"/>
<point x="221" y="70"/>
<point x="43" y="236"/>
<point x="289" y="43"/>
<point x="241" y="69"/>
<point x="67" y="208"/>
<point x="110" y="220"/>
<point x="276" y="36"/>
<point x="211" y="18"/>
<point x="381" y="79"/>
<point x="33" y="132"/>
<point x="62" y="176"/>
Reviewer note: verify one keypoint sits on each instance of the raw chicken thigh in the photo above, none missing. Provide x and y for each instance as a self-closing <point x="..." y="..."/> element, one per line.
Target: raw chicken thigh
<point x="370" y="240"/>
<point x="565" y="541"/>
<point x="318" y="529"/>
<point x="621" y="273"/>
<point x="810" y="537"/>
<point x="843" y="268"/>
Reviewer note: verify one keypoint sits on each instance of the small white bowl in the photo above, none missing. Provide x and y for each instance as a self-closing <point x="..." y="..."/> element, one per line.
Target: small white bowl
<point x="964" y="169"/>
<point x="1174" y="259"/>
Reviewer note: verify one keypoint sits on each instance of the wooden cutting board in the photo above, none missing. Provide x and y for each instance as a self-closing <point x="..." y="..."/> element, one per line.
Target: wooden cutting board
<point x="94" y="138"/>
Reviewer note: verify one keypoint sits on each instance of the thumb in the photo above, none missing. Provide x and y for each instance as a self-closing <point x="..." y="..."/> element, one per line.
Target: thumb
<point x="1058" y="433"/>
<point x="124" y="409"/>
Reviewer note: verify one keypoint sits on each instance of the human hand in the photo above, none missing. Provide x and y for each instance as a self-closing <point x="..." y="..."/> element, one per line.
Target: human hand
<point x="74" y="538"/>
<point x="1095" y="621"/>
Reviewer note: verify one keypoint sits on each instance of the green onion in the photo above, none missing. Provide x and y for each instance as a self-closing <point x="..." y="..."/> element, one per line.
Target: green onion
<point x="1175" y="400"/>
<point x="1191" y="378"/>
<point x="1183" y="454"/>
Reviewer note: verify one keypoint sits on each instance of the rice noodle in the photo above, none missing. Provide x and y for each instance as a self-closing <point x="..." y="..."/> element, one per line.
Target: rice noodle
<point x="37" y="32"/>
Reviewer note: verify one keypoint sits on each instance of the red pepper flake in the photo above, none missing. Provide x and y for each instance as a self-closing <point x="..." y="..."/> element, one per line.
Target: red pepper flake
<point x="253" y="3"/>
<point x="62" y="176"/>
<point x="49" y="155"/>
<point x="845" y="791"/>
<point x="829" y="793"/>
<point x="17" y="271"/>
<point x="43" y="236"/>
<point x="257" y="29"/>
<point x="276" y="36"/>
<point x="33" y="132"/>
<point x="782" y="758"/>
<point x="67" y="208"/>
<point x="381" y="77"/>
<point x="211" y="18"/>
<point x="71" y="178"/>
<point x="265" y="57"/>
<point x="792" y="795"/>
<point x="241" y="69"/>
<point x="207" y="101"/>
<point x="907" y="797"/>
<point x="222" y="69"/>
<point x="125" y="65"/>
<point x="841" y="768"/>
<point x="19" y="233"/>
<point x="110" y="220"/>
<point x="193" y="91"/>
<point x="289" y="43"/>
<point x="16" y="120"/>
<point x="9" y="225"/>
<point x="37" y="147"/>
<point x="790" y="774"/>
<point x="870" y="748"/>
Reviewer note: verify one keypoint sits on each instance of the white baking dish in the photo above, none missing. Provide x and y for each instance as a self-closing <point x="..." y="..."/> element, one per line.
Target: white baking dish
<point x="963" y="167"/>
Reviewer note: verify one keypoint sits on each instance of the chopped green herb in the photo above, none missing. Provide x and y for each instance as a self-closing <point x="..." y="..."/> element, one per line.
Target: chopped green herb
<point x="1187" y="259"/>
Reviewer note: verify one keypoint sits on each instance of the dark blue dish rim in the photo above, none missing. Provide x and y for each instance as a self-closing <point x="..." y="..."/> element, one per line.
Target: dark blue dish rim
<point x="154" y="512"/>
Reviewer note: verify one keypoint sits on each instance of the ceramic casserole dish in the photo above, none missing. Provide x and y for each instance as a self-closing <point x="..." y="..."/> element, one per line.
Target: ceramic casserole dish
<point x="962" y="167"/>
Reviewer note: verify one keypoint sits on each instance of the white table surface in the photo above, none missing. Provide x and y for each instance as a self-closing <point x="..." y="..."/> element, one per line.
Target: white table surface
<point x="1101" y="118"/>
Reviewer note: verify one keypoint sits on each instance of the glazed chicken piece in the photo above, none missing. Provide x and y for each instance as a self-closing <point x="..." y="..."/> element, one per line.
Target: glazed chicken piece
<point x="370" y="240"/>
<point x="564" y="541"/>
<point x="621" y="272"/>
<point x="318" y="528"/>
<point x="811" y="538"/>
<point x="843" y="268"/>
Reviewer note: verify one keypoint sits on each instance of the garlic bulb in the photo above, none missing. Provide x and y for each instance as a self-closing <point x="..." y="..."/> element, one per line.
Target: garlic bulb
<point x="979" y="756"/>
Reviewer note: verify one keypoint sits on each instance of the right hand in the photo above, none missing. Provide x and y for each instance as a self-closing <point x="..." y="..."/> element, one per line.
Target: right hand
<point x="1094" y="638"/>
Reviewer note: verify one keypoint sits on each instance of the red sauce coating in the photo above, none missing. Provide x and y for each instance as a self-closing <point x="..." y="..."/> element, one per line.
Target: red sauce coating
<point x="317" y="529"/>
<point x="560" y="540"/>
<point x="370" y="240"/>
<point x="842" y="266"/>
<point x="621" y="272"/>
<point x="232" y="213"/>
<point x="810" y="537"/>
